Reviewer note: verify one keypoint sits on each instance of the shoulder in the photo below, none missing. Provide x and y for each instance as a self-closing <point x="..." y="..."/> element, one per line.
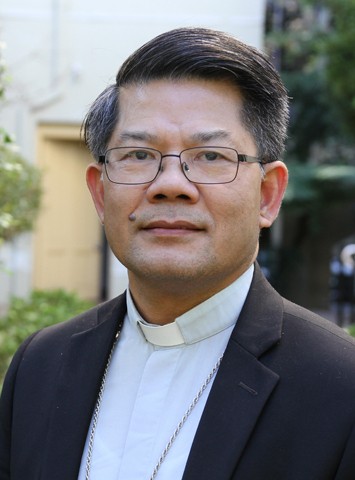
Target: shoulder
<point x="294" y="325"/>
<point x="314" y="353"/>
<point x="296" y="342"/>
<point x="303" y="323"/>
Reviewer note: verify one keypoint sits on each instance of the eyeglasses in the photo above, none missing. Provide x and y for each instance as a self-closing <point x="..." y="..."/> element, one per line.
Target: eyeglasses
<point x="203" y="165"/>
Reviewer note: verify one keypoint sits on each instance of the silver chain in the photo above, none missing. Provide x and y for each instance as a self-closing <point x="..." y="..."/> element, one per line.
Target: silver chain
<point x="185" y="417"/>
<point x="177" y="430"/>
<point x="98" y="406"/>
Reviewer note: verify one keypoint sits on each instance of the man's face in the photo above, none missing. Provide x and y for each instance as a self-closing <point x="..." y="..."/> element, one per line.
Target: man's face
<point x="183" y="233"/>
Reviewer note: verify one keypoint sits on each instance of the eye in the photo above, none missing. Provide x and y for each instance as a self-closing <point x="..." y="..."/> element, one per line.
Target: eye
<point x="141" y="155"/>
<point x="210" y="156"/>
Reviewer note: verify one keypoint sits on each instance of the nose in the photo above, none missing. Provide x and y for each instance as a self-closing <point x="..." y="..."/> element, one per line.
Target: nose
<point x="171" y="183"/>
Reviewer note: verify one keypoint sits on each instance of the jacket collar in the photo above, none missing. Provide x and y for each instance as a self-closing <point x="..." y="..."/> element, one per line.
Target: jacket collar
<point x="260" y="322"/>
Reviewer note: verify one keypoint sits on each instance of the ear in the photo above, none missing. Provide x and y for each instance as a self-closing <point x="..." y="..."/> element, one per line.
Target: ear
<point x="272" y="191"/>
<point x="96" y="186"/>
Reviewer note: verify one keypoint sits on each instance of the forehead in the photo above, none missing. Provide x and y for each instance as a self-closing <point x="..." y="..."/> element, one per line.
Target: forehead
<point x="186" y="110"/>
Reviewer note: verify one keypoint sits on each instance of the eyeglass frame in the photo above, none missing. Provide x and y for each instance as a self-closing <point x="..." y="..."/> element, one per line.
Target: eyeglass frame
<point x="242" y="158"/>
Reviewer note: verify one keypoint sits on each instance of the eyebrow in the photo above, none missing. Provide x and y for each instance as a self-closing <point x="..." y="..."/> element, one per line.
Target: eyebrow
<point x="198" y="137"/>
<point x="210" y="136"/>
<point x="139" y="136"/>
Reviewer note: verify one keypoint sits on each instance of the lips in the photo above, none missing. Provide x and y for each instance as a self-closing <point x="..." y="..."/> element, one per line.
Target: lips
<point x="176" y="225"/>
<point x="175" y="228"/>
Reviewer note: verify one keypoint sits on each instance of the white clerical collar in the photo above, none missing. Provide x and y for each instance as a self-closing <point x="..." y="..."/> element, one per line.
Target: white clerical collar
<point x="206" y="319"/>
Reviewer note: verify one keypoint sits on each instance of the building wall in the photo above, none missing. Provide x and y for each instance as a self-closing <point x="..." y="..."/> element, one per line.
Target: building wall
<point x="62" y="53"/>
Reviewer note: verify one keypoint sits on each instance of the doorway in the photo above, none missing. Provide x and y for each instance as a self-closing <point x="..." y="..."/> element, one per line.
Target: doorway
<point x="68" y="236"/>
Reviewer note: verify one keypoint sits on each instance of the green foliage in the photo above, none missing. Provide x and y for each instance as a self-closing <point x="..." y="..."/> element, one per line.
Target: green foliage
<point x="313" y="42"/>
<point x="20" y="192"/>
<point x="44" y="308"/>
<point x="314" y="45"/>
<point x="313" y="117"/>
<point x="340" y="53"/>
<point x="20" y="189"/>
<point x="314" y="186"/>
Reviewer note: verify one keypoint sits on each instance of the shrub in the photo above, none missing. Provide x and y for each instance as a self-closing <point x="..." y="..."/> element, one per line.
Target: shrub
<point x="20" y="193"/>
<point x="20" y="182"/>
<point x="42" y="309"/>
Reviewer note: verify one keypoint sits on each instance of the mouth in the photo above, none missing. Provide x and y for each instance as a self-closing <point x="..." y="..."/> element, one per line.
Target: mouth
<point x="176" y="228"/>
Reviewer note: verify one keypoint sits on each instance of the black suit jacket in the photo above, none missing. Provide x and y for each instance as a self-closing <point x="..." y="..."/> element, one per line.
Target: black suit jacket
<point x="282" y="406"/>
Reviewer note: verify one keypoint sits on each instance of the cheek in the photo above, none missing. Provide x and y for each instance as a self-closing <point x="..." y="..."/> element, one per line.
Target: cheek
<point x="121" y="200"/>
<point x="232" y="206"/>
<point x="116" y="213"/>
<point x="114" y="207"/>
<point x="236" y="216"/>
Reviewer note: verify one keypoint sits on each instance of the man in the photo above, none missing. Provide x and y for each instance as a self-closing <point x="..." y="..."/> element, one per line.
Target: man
<point x="212" y="375"/>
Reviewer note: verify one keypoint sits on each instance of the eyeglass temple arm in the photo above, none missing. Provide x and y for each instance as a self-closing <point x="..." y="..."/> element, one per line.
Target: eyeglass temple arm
<point x="249" y="159"/>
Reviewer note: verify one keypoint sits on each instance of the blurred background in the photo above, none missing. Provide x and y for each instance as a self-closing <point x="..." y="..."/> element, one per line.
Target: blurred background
<point x="58" y="55"/>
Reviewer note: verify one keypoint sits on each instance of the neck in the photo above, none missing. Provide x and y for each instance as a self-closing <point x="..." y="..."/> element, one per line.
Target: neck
<point x="160" y="303"/>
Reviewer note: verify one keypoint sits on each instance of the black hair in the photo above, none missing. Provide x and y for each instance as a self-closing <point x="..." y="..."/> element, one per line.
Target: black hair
<point x="200" y="53"/>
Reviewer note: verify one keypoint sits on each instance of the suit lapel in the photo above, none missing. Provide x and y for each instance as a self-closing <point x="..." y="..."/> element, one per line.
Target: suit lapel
<point x="77" y="391"/>
<point x="241" y="388"/>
